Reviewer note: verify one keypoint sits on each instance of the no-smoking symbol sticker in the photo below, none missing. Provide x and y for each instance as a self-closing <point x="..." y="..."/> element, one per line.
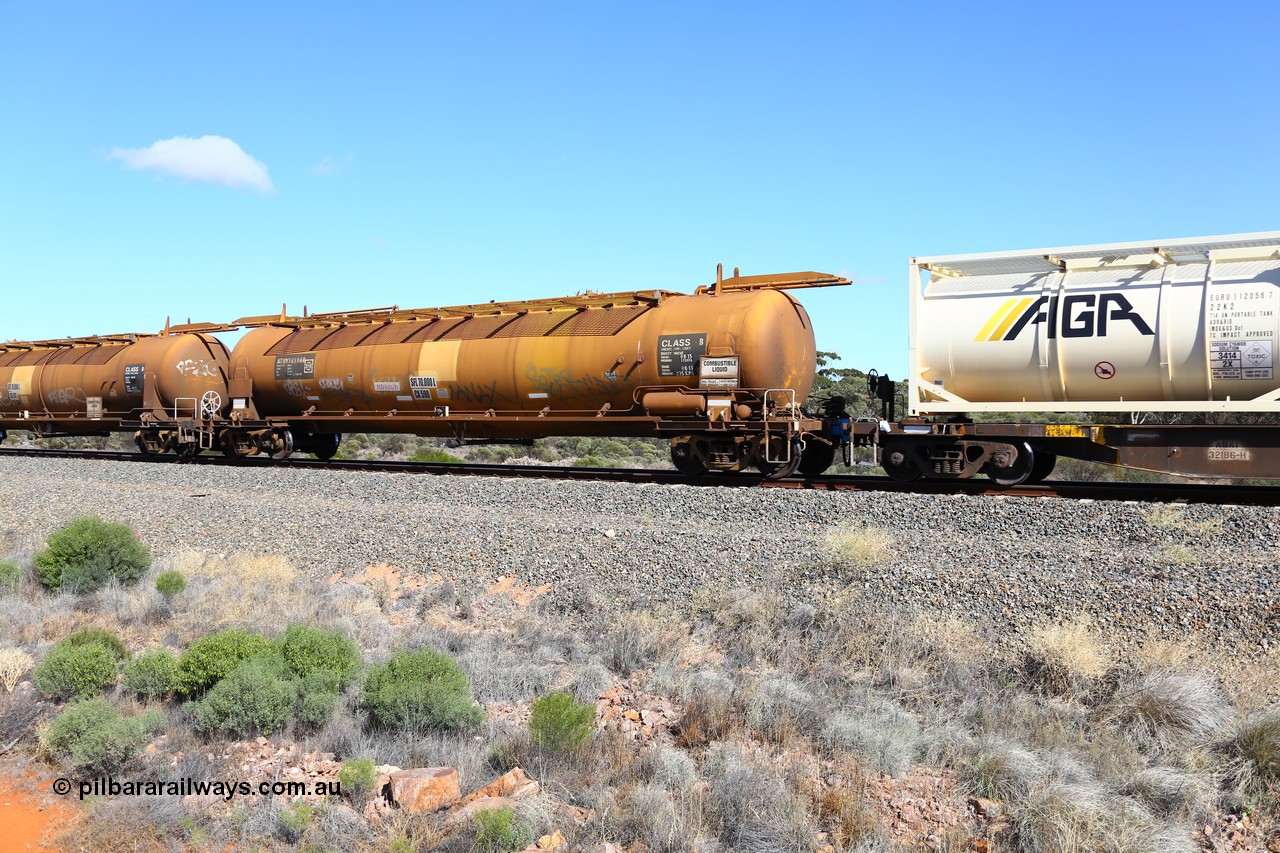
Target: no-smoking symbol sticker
<point x="1104" y="370"/>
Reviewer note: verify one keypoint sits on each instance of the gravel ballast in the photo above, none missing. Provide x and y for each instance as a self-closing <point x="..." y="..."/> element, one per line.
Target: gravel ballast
<point x="1138" y="570"/>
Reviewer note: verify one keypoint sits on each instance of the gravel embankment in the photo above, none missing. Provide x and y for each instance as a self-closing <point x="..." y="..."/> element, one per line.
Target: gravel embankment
<point x="1002" y="562"/>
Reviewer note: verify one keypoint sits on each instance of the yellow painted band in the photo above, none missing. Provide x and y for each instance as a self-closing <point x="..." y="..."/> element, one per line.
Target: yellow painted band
<point x="1010" y="317"/>
<point x="995" y="318"/>
<point x="439" y="359"/>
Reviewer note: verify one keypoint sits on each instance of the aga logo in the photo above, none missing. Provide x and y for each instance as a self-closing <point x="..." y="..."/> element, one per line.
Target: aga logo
<point x="1080" y="315"/>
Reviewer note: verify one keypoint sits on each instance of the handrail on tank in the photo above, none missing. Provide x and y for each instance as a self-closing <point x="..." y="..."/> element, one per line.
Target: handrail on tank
<point x="393" y="313"/>
<point x="88" y="340"/>
<point x="578" y="302"/>
<point x="776" y="281"/>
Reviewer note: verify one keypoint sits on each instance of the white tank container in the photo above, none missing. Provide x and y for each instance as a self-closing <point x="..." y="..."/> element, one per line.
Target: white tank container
<point x="1184" y="327"/>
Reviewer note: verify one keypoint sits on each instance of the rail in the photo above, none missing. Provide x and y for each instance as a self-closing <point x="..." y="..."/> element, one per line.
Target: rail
<point x="1208" y="493"/>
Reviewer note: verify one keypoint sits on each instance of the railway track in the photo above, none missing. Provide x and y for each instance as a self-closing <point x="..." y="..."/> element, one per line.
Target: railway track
<point x="1214" y="493"/>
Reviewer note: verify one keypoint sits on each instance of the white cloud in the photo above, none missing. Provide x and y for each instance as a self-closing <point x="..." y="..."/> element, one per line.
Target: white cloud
<point x="209" y="159"/>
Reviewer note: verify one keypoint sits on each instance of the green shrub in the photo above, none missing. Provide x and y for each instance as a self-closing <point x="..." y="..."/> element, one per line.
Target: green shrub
<point x="357" y="777"/>
<point x="307" y="650"/>
<point x="295" y="820"/>
<point x="100" y="636"/>
<point x="66" y="729"/>
<point x="97" y="738"/>
<point x="151" y="674"/>
<point x="85" y="554"/>
<point x="420" y="689"/>
<point x="80" y="671"/>
<point x="116" y="745"/>
<point x="254" y="698"/>
<point x="10" y="576"/>
<point x="215" y="655"/>
<point x="559" y="721"/>
<point x="170" y="584"/>
<point x="317" y="698"/>
<point x="432" y="454"/>
<point x="497" y="830"/>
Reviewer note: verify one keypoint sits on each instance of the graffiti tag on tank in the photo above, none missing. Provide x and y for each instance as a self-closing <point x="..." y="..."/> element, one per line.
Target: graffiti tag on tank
<point x="330" y="383"/>
<point x="197" y="367"/>
<point x="562" y="383"/>
<point x="66" y="396"/>
<point x="294" y="389"/>
<point x="481" y="395"/>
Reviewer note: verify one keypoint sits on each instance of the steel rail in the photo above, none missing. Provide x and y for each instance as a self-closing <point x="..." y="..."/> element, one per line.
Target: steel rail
<point x="1212" y="493"/>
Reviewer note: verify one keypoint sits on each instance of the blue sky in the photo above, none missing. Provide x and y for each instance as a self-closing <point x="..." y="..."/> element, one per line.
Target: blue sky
<point x="424" y="154"/>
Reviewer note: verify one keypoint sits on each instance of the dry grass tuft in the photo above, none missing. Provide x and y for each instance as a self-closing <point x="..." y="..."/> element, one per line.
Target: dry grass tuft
<point x="1168" y="708"/>
<point x="751" y="806"/>
<point x="1063" y="817"/>
<point x="1255" y="687"/>
<point x="1066" y="658"/>
<point x="1172" y="792"/>
<point x="238" y="590"/>
<point x="14" y="663"/>
<point x="844" y="812"/>
<point x="669" y="767"/>
<point x="864" y="546"/>
<point x="885" y="738"/>
<point x="41" y="620"/>
<point x="1172" y="519"/>
<point x="1253" y="750"/>
<point x="709" y="713"/>
<point x="19" y="714"/>
<point x="1165" y="656"/>
<point x="782" y="710"/>
<point x="663" y="820"/>
<point x="638" y="640"/>
<point x="945" y="647"/>
<point x="1000" y="771"/>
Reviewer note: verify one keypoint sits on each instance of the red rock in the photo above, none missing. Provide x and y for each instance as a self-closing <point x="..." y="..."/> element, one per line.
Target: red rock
<point x="550" y="842"/>
<point x="462" y="816"/>
<point x="424" y="789"/>
<point x="515" y="784"/>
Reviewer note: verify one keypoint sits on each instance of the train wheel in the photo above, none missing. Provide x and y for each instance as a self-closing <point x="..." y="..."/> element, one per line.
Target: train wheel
<point x="778" y="470"/>
<point x="143" y="447"/>
<point x="230" y="446"/>
<point x="278" y="444"/>
<point x="898" y="464"/>
<point x="816" y="457"/>
<point x="325" y="446"/>
<point x="1042" y="467"/>
<point x="1016" y="471"/>
<point x="686" y="460"/>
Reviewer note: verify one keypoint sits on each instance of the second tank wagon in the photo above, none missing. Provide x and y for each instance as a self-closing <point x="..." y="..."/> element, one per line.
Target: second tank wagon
<point x="722" y="372"/>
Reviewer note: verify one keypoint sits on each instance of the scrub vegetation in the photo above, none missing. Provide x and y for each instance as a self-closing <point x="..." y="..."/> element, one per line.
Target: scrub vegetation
<point x="739" y="719"/>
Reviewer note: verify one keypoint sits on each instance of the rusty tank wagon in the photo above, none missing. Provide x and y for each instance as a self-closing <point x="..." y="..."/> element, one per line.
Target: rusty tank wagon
<point x="163" y="385"/>
<point x="722" y="372"/>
